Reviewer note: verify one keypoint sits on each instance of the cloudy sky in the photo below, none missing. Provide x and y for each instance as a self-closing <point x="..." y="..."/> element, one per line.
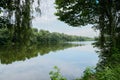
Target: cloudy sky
<point x="48" y="21"/>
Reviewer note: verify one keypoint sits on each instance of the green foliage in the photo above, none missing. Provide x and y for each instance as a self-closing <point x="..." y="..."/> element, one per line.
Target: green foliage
<point x="33" y="36"/>
<point x="92" y="74"/>
<point x="56" y="75"/>
<point x="17" y="18"/>
<point x="107" y="74"/>
<point x="116" y="55"/>
<point x="77" y="12"/>
<point x="88" y="74"/>
<point x="45" y="37"/>
<point x="4" y="36"/>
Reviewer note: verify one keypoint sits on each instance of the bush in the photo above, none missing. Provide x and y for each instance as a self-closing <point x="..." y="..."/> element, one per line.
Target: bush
<point x="56" y="75"/>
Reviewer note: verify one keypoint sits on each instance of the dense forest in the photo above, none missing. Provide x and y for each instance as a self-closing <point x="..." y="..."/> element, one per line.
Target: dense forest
<point x="15" y="26"/>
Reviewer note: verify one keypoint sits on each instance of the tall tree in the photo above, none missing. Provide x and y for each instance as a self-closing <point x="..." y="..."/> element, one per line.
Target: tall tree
<point x="103" y="14"/>
<point x="16" y="17"/>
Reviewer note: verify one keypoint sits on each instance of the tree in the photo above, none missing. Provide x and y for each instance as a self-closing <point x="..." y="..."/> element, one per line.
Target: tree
<point x="77" y="12"/>
<point x="103" y="14"/>
<point x="17" y="18"/>
<point x="83" y="12"/>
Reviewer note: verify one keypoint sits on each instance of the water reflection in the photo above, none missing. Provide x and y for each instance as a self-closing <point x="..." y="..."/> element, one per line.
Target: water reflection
<point x="34" y="62"/>
<point x="9" y="54"/>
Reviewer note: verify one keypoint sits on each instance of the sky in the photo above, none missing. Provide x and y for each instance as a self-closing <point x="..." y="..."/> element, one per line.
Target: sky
<point x="48" y="21"/>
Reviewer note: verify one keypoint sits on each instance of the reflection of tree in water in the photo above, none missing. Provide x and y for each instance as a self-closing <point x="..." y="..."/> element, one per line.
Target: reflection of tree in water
<point x="9" y="54"/>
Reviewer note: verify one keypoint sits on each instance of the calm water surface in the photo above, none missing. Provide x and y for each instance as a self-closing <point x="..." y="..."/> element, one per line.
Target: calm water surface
<point x="37" y="63"/>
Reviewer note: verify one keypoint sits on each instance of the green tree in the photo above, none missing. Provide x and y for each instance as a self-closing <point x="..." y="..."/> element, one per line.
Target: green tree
<point x="103" y="14"/>
<point x="17" y="18"/>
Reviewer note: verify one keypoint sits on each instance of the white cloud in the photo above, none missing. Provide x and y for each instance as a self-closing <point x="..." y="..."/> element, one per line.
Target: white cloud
<point x="85" y="31"/>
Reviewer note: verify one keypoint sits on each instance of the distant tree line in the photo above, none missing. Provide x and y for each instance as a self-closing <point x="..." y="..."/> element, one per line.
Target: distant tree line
<point x="44" y="36"/>
<point x="41" y="37"/>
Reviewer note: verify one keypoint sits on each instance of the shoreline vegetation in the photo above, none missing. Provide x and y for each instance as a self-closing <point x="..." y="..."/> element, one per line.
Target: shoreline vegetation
<point x="90" y="73"/>
<point x="39" y="37"/>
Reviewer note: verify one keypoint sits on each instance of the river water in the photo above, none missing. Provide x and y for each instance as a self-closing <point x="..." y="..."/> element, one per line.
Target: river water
<point x="37" y="63"/>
